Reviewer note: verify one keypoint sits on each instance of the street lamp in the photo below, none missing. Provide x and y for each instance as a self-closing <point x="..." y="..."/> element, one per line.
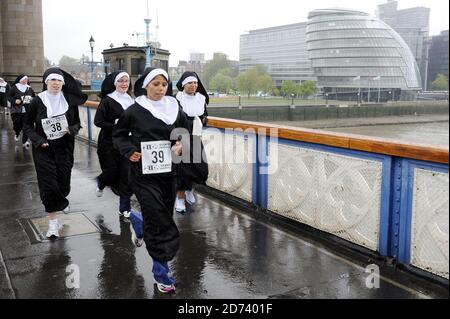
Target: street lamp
<point x="92" y="43"/>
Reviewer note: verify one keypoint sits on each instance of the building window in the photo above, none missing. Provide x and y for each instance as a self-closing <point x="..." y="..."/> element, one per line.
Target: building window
<point x="137" y="66"/>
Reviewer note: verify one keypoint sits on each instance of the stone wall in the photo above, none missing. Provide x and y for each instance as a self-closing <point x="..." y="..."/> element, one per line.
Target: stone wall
<point x="22" y="37"/>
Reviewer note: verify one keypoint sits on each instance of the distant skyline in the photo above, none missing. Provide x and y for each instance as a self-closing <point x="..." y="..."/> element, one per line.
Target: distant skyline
<point x="188" y="27"/>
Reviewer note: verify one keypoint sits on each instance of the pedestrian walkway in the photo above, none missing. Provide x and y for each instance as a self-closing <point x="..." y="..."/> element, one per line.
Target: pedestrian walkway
<point x="225" y="253"/>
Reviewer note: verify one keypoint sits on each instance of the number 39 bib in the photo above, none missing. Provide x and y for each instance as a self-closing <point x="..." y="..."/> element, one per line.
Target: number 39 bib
<point x="156" y="157"/>
<point x="56" y="127"/>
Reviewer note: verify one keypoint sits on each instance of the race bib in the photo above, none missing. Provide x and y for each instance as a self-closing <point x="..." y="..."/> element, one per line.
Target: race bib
<point x="156" y="157"/>
<point x="24" y="110"/>
<point x="197" y="130"/>
<point x="56" y="127"/>
<point x="27" y="99"/>
<point x="2" y="89"/>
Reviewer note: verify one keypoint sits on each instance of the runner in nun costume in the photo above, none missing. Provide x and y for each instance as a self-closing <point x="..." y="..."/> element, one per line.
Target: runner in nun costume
<point x="20" y="97"/>
<point x="115" y="167"/>
<point x="52" y="123"/>
<point x="194" y="99"/>
<point x="147" y="135"/>
<point x="4" y="90"/>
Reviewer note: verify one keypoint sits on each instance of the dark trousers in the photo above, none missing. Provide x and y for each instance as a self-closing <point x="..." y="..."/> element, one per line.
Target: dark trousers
<point x="115" y="171"/>
<point x="156" y="195"/>
<point x="54" y="168"/>
<point x="18" y="119"/>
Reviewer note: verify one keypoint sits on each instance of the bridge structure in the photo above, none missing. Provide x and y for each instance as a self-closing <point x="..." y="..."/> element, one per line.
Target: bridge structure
<point x="286" y="213"/>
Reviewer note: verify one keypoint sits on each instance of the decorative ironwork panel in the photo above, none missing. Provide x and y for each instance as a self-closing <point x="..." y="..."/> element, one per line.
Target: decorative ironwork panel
<point x="430" y="216"/>
<point x="337" y="194"/>
<point x="230" y="162"/>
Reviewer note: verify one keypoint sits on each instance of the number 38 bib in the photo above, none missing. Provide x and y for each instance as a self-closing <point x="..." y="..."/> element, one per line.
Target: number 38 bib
<point x="56" y="127"/>
<point x="156" y="157"/>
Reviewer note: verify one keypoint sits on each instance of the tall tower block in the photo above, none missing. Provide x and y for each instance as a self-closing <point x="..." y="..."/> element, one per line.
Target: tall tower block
<point x="21" y="39"/>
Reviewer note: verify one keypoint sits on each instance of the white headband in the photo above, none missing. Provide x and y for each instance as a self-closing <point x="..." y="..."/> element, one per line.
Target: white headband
<point x="153" y="75"/>
<point x="119" y="76"/>
<point x="54" y="76"/>
<point x="24" y="78"/>
<point x="189" y="80"/>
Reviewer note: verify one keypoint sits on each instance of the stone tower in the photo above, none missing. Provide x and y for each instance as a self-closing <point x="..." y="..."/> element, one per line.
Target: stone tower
<point x="21" y="39"/>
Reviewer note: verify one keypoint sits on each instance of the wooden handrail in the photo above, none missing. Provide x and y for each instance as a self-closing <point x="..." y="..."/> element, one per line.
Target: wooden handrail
<point x="355" y="142"/>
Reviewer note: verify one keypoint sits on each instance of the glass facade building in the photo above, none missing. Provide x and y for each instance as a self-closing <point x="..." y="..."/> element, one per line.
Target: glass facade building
<point x="412" y="25"/>
<point x="351" y="51"/>
<point x="282" y="50"/>
<point x="438" y="57"/>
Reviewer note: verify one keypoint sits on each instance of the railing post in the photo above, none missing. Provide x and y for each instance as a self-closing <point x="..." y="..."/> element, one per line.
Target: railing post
<point x="89" y="123"/>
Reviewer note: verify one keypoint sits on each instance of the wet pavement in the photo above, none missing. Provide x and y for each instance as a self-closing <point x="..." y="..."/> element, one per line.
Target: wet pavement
<point x="225" y="253"/>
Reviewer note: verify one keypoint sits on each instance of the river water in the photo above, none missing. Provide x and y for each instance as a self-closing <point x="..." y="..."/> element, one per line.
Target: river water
<point x="423" y="133"/>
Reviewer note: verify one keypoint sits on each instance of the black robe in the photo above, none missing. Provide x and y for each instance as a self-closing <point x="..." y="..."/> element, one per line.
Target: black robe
<point x="18" y="110"/>
<point x="115" y="167"/>
<point x="53" y="164"/>
<point x="3" y="95"/>
<point x="197" y="170"/>
<point x="15" y="94"/>
<point x="155" y="193"/>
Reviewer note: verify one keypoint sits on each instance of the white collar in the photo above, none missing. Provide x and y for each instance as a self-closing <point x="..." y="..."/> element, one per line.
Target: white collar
<point x="165" y="110"/>
<point x="55" y="104"/>
<point x="122" y="98"/>
<point x="193" y="105"/>
<point x="22" y="87"/>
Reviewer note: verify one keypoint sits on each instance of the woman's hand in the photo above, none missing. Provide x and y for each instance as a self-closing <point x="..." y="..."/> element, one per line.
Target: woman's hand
<point x="18" y="101"/>
<point x="177" y="149"/>
<point x="136" y="157"/>
<point x="45" y="145"/>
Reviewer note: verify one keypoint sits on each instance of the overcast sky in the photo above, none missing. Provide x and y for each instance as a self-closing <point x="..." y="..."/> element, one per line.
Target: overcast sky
<point x="185" y="27"/>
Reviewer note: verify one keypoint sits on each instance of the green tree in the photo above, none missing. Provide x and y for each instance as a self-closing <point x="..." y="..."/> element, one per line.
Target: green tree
<point x="440" y="83"/>
<point x="274" y="91"/>
<point x="221" y="83"/>
<point x="66" y="62"/>
<point x="307" y="88"/>
<point x="265" y="83"/>
<point x="288" y="88"/>
<point x="247" y="82"/>
<point x="218" y="64"/>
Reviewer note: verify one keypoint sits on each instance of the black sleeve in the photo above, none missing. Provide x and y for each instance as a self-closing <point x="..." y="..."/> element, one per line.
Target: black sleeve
<point x="121" y="136"/>
<point x="29" y="124"/>
<point x="33" y="94"/>
<point x="100" y="119"/>
<point x="12" y="96"/>
<point x="205" y="116"/>
<point x="74" y="129"/>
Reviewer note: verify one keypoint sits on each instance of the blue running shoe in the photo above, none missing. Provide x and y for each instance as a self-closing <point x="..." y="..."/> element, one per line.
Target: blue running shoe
<point x="137" y="228"/>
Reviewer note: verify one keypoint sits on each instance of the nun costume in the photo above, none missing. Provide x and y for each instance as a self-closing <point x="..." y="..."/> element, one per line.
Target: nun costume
<point x="146" y="134"/>
<point x="115" y="167"/>
<point x="20" y="97"/>
<point x="193" y="99"/>
<point x="4" y="90"/>
<point x="52" y="122"/>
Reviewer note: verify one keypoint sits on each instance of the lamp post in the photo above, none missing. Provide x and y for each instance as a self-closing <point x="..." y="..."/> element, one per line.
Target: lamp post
<point x="92" y="43"/>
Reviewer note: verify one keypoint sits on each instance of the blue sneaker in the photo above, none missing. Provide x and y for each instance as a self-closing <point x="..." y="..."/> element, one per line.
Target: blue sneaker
<point x="137" y="228"/>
